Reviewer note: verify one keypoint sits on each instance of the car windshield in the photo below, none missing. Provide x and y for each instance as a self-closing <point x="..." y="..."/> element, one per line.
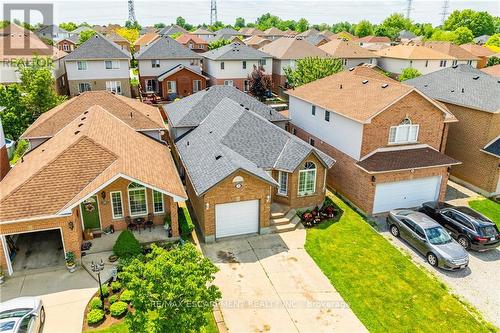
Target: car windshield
<point x="7" y="326"/>
<point x="437" y="236"/>
<point x="14" y="313"/>
<point x="488" y="231"/>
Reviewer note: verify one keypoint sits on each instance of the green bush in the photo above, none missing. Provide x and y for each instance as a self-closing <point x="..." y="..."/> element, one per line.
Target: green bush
<point x="95" y="303"/>
<point x="95" y="316"/>
<point x="112" y="299"/>
<point x="116" y="286"/>
<point x="126" y="245"/>
<point x="185" y="222"/>
<point x="21" y="147"/>
<point x="118" y="308"/>
<point x="105" y="290"/>
<point x="126" y="296"/>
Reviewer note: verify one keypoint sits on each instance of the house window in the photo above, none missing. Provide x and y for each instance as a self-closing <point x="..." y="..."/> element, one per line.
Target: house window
<point x="66" y="47"/>
<point x="138" y="204"/>
<point x="151" y="85"/>
<point x="222" y="65"/>
<point x="406" y="132"/>
<point x="83" y="87"/>
<point x="194" y="62"/>
<point x="454" y="62"/>
<point x="294" y="131"/>
<point x="307" y="179"/>
<point x="171" y="87"/>
<point x="228" y="83"/>
<point x="155" y="63"/>
<point x="469" y="62"/>
<point x="283" y="183"/>
<point x="262" y="62"/>
<point x="327" y="115"/>
<point x="442" y="63"/>
<point x="117" y="204"/>
<point x="112" y="64"/>
<point x="313" y="110"/>
<point x="311" y="141"/>
<point x="196" y="85"/>
<point x="244" y="64"/>
<point x="246" y="85"/>
<point x="114" y="86"/>
<point x="81" y="65"/>
<point x="344" y="62"/>
<point x="190" y="45"/>
<point x="158" y="202"/>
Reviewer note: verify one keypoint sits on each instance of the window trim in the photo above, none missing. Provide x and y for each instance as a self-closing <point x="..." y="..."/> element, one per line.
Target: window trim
<point x="113" y="62"/>
<point x="85" y="83"/>
<point x="222" y="65"/>
<point x="307" y="171"/>
<point x="141" y="188"/>
<point x="313" y="110"/>
<point x="244" y="64"/>
<point x="232" y="83"/>
<point x="155" y="63"/>
<point x="410" y="126"/>
<point x="113" y="205"/>
<point x="82" y="62"/>
<point x="162" y="202"/>
<point x="117" y="86"/>
<point x="195" y="84"/>
<point x="280" y="177"/>
<point x="170" y="90"/>
<point x="327" y="115"/>
<point x="246" y="85"/>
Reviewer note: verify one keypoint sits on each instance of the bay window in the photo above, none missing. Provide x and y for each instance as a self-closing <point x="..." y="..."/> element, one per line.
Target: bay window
<point x="138" y="204"/>
<point x="307" y="179"/>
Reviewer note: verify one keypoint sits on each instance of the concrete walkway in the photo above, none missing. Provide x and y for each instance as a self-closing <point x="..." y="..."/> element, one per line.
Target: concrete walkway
<point x="270" y="284"/>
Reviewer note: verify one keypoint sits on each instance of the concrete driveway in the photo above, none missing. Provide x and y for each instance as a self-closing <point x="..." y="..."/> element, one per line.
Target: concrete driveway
<point x="270" y="284"/>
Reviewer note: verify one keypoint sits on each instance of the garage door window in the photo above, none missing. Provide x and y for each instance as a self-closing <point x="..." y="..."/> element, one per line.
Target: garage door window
<point x="307" y="179"/>
<point x="116" y="204"/>
<point x="137" y="199"/>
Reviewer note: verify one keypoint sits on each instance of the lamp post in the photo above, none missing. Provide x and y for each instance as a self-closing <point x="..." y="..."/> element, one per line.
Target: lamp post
<point x="97" y="268"/>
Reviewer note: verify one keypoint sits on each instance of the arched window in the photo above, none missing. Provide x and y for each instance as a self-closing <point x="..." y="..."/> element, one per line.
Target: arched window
<point x="138" y="204"/>
<point x="307" y="179"/>
<point x="405" y="132"/>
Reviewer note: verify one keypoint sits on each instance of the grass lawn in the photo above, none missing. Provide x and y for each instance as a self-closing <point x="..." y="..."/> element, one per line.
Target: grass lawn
<point x="384" y="288"/>
<point x="488" y="208"/>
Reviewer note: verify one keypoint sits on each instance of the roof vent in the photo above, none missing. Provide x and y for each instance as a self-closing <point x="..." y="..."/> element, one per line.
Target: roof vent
<point x="365" y="81"/>
<point x="340" y="86"/>
<point x="83" y="118"/>
<point x="452" y="90"/>
<point x="454" y="66"/>
<point x="218" y="157"/>
<point x="206" y="89"/>
<point x="385" y="85"/>
<point x="187" y="144"/>
<point x="131" y="115"/>
<point x="426" y="85"/>
<point x="80" y="124"/>
<point x="475" y="77"/>
<point x="77" y="132"/>
<point x="351" y="69"/>
<point x="242" y="105"/>
<point x="86" y="112"/>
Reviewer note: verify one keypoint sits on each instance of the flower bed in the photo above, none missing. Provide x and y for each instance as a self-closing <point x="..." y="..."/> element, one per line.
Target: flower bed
<point x="328" y="211"/>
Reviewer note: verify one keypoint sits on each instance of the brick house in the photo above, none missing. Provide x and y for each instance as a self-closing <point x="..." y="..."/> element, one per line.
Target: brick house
<point x="94" y="172"/>
<point x="481" y="52"/>
<point x="388" y="138"/>
<point x="461" y="55"/>
<point x="67" y="45"/>
<point x="256" y="41"/>
<point x="169" y="69"/>
<point x="193" y="42"/>
<point x="237" y="163"/>
<point x="98" y="64"/>
<point x="232" y="64"/>
<point x="349" y="53"/>
<point x="122" y="42"/>
<point x="472" y="96"/>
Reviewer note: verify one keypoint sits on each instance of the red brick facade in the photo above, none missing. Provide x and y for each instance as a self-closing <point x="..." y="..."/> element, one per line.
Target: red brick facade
<point x="238" y="83"/>
<point x="184" y="80"/>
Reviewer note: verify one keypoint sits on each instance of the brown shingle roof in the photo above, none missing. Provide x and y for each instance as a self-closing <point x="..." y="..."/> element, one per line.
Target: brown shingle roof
<point x="477" y="50"/>
<point x="185" y="38"/>
<point x="405" y="159"/>
<point x="88" y="153"/>
<point x="292" y="48"/>
<point x="339" y="48"/>
<point x="256" y="40"/>
<point x="134" y="113"/>
<point x="451" y="49"/>
<point x="273" y="31"/>
<point x="373" y="39"/>
<point x="412" y="52"/>
<point x="492" y="70"/>
<point x="358" y="94"/>
<point x="147" y="38"/>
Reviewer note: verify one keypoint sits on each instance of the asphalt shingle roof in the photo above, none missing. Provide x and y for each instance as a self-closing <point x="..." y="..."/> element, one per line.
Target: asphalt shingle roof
<point x="166" y="47"/>
<point x="98" y="47"/>
<point x="493" y="147"/>
<point x="192" y="110"/>
<point x="172" y="30"/>
<point x="461" y="85"/>
<point x="235" y="51"/>
<point x="232" y="139"/>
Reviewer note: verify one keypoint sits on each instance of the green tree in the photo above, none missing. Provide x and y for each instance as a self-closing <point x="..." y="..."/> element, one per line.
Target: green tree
<point x="68" y="26"/>
<point x="266" y="21"/>
<point x="85" y="36"/>
<point x="171" y="290"/>
<point x="424" y="29"/>
<point x="260" y="82"/>
<point x="302" y="25"/>
<point x="494" y="40"/>
<point x="133" y="25"/>
<point x="159" y="25"/>
<point x="364" y="28"/>
<point x="409" y="73"/>
<point x="14" y="117"/>
<point x="442" y="35"/>
<point x="239" y="23"/>
<point x="480" y="23"/>
<point x="493" y="61"/>
<point x="463" y="35"/>
<point x="218" y="43"/>
<point x="180" y="21"/>
<point x="311" y="69"/>
<point x="4" y="23"/>
<point x="342" y="26"/>
<point x="395" y="23"/>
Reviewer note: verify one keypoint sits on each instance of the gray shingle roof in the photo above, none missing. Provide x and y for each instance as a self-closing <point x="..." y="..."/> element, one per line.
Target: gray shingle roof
<point x="51" y="29"/>
<point x="461" y="85"/>
<point x="192" y="110"/>
<point x="235" y="51"/>
<point x="166" y="47"/>
<point x="315" y="39"/>
<point x="493" y="147"/>
<point x="227" y="31"/>
<point x="172" y="30"/>
<point x="232" y="139"/>
<point x="98" y="47"/>
<point x="80" y="29"/>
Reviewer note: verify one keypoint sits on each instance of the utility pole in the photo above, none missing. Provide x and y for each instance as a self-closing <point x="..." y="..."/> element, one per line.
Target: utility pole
<point x="408" y="8"/>
<point x="131" y="11"/>
<point x="213" y="12"/>
<point x="444" y="13"/>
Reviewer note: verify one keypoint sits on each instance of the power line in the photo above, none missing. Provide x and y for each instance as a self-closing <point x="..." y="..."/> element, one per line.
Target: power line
<point x="131" y="11"/>
<point x="213" y="12"/>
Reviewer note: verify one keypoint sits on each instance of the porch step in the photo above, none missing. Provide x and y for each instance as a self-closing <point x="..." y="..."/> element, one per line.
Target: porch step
<point x="286" y="223"/>
<point x="283" y="219"/>
<point x="277" y="215"/>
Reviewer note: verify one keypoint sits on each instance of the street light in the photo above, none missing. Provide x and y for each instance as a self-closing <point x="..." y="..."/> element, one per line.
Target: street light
<point x="97" y="268"/>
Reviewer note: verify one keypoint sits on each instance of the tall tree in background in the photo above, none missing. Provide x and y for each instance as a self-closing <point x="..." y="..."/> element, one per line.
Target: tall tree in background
<point x="302" y="25"/>
<point x="132" y="25"/>
<point x="85" y="36"/>
<point x="393" y="24"/>
<point x="260" y="82"/>
<point x="480" y="23"/>
<point x="239" y="23"/>
<point x="311" y="69"/>
<point x="159" y="25"/>
<point x="342" y="26"/>
<point x="68" y="26"/>
<point x="181" y="21"/>
<point x="463" y="35"/>
<point x="129" y="34"/>
<point x="364" y="28"/>
<point x="218" y="43"/>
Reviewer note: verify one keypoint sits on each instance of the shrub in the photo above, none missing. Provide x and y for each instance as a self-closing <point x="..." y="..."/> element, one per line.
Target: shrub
<point x="185" y="222"/>
<point x="95" y="303"/>
<point x="95" y="316"/>
<point x="116" y="286"/>
<point x="112" y="299"/>
<point x="105" y="290"/>
<point x="126" y="296"/>
<point x="118" y="308"/>
<point x="127" y="245"/>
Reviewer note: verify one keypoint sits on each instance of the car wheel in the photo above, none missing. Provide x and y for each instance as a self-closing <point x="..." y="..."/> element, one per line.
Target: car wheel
<point x="462" y="240"/>
<point x="394" y="231"/>
<point x="432" y="259"/>
<point x="42" y="315"/>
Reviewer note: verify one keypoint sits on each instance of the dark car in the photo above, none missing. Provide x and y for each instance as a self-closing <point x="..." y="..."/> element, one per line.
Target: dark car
<point x="471" y="229"/>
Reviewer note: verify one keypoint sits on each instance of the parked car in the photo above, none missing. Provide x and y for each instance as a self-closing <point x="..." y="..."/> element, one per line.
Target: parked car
<point x="22" y="314"/>
<point x="471" y="229"/>
<point x="429" y="238"/>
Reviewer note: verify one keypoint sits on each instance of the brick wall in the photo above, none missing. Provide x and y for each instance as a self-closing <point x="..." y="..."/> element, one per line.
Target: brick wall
<point x="4" y="162"/>
<point x="184" y="81"/>
<point x="238" y="83"/>
<point x="99" y="84"/>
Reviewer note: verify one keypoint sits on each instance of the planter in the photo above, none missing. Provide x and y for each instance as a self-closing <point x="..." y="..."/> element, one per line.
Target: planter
<point x="113" y="258"/>
<point x="71" y="267"/>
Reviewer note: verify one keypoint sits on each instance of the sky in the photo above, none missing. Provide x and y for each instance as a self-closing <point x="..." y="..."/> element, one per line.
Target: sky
<point x="196" y="12"/>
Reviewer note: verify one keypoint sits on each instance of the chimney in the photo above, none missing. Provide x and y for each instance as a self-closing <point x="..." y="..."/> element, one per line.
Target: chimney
<point x="4" y="157"/>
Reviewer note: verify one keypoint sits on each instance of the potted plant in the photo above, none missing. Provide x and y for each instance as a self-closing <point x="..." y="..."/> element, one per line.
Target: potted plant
<point x="70" y="261"/>
<point x="166" y="225"/>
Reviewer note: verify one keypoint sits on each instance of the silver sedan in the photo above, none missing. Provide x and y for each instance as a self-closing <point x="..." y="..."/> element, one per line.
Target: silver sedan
<point x="429" y="238"/>
<point x="22" y="314"/>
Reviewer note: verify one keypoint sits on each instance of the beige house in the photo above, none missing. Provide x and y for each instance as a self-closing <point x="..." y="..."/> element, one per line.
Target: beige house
<point x="461" y="55"/>
<point x="350" y="53"/>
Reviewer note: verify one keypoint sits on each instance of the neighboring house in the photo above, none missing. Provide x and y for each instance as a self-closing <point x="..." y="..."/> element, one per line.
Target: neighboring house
<point x="145" y="40"/>
<point x="285" y="52"/>
<point x="482" y="52"/>
<point x="290" y="33"/>
<point x="373" y="42"/>
<point x="95" y="172"/>
<point x="395" y="59"/>
<point x="172" y="30"/>
<point x="67" y="45"/>
<point x="316" y="40"/>
<point x="256" y="41"/>
<point x="170" y="69"/>
<point x="388" y="138"/>
<point x="52" y="32"/>
<point x="225" y="33"/>
<point x="237" y="165"/>
<point x="309" y="32"/>
<point x="327" y="33"/>
<point x="145" y="30"/>
<point x="249" y="32"/>
<point x="492" y="70"/>
<point x="275" y="33"/>
<point x="461" y="56"/>
<point x="79" y="30"/>
<point x="193" y="42"/>
<point x="122" y="42"/>
<point x="343" y="35"/>
<point x="350" y="53"/>
<point x="481" y="40"/>
<point x="472" y="96"/>
<point x="13" y="39"/>
<point x="232" y="64"/>
<point x="203" y="33"/>
<point x="405" y="36"/>
<point x="98" y="64"/>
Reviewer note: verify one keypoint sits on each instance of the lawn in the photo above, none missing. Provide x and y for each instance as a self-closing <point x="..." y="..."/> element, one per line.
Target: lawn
<point x="488" y="208"/>
<point x="384" y="288"/>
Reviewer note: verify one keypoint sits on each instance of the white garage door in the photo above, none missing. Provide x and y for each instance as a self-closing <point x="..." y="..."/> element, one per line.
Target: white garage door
<point x="236" y="218"/>
<point x="405" y="194"/>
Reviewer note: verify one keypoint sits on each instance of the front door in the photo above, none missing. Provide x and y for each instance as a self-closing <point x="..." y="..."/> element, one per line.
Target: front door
<point x="184" y="88"/>
<point x="90" y="213"/>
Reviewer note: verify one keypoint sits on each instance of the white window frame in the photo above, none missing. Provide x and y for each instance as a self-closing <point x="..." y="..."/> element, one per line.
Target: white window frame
<point x="244" y="64"/>
<point x="155" y="63"/>
<point x="84" y="90"/>
<point x="65" y="47"/>
<point x="442" y="63"/>
<point x="171" y="87"/>
<point x="116" y="217"/>
<point x="156" y="85"/>
<point x="229" y="83"/>
<point x="114" y="86"/>
<point x="196" y="85"/>
<point x="162" y="203"/>
<point x="114" y="64"/>
<point x="312" y="173"/>
<point x="141" y="188"/>
<point x="222" y="65"/>
<point x="313" y="110"/>
<point x="327" y="115"/>
<point x="262" y="62"/>
<point x="81" y="65"/>
<point x="454" y="62"/>
<point x="281" y="175"/>
<point x="395" y="133"/>
<point x="246" y="85"/>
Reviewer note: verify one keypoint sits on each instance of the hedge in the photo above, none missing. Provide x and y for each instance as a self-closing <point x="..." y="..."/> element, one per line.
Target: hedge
<point x="95" y="316"/>
<point x="185" y="222"/>
<point x="126" y="296"/>
<point x="127" y="245"/>
<point x="95" y="303"/>
<point x="118" y="308"/>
